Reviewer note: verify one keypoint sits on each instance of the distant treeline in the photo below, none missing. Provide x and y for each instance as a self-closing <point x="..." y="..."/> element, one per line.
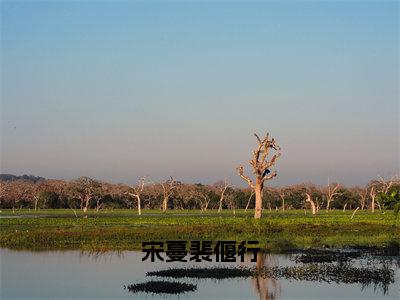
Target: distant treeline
<point x="34" y="192"/>
<point x="10" y="177"/>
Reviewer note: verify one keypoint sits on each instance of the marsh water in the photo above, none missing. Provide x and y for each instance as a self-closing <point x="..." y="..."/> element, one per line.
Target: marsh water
<point x="88" y="275"/>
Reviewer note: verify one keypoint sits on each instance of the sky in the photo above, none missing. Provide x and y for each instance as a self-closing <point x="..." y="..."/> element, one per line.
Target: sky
<point x="120" y="89"/>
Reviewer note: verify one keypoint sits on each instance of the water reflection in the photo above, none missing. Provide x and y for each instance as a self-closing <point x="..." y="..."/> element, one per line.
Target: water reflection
<point x="266" y="288"/>
<point x="100" y="274"/>
<point x="97" y="256"/>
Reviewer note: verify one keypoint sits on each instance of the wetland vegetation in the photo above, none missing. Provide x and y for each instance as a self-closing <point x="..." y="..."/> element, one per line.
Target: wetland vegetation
<point x="277" y="231"/>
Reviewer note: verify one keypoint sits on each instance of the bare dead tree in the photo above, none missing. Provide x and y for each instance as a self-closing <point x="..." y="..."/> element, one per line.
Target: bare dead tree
<point x="202" y="194"/>
<point x="331" y="192"/>
<point x="86" y="189"/>
<point x="222" y="187"/>
<point x="317" y="205"/>
<point x="387" y="184"/>
<point x="372" y="194"/>
<point x="168" y="187"/>
<point x="379" y="186"/>
<point x="313" y="207"/>
<point x="231" y="202"/>
<point x="261" y="169"/>
<point x="137" y="192"/>
<point x="362" y="193"/>
<point x="282" y="194"/>
<point x="248" y="202"/>
<point x="354" y="212"/>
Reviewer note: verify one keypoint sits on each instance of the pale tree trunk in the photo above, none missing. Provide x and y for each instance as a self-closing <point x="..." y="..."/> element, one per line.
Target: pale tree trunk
<point x="139" y="205"/>
<point x="344" y="207"/>
<point x="258" y="203"/>
<point x="261" y="165"/>
<point x="165" y="204"/>
<point x="248" y="202"/>
<point x="137" y="191"/>
<point x="221" y="199"/>
<point x="372" y="194"/>
<point x="373" y="204"/>
<point x="313" y="208"/>
<point x="168" y="187"/>
<point x="36" y="202"/>
<point x="98" y="205"/>
<point x="87" y="200"/>
<point x="206" y="202"/>
<point x="223" y="188"/>
<point x="354" y="212"/>
<point x="331" y="192"/>
<point x="379" y="205"/>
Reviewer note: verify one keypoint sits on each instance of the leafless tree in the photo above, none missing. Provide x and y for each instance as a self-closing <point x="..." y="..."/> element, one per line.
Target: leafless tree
<point x="313" y="207"/>
<point x="331" y="192"/>
<point x="372" y="194"/>
<point x="137" y="192"/>
<point x="222" y="187"/>
<point x="86" y="189"/>
<point x="231" y="202"/>
<point x="168" y="187"/>
<point x="261" y="169"/>
<point x="387" y="184"/>
<point x="362" y="193"/>
<point x="202" y="195"/>
<point x="380" y="186"/>
<point x="283" y="192"/>
<point x="250" y="197"/>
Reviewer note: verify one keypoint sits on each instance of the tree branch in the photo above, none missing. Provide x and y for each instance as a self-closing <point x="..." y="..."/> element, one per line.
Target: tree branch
<point x="241" y="174"/>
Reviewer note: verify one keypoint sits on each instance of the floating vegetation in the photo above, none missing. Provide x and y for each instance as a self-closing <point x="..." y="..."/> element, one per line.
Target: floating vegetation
<point x="340" y="273"/>
<point x="209" y="273"/>
<point x="161" y="287"/>
<point x="326" y="256"/>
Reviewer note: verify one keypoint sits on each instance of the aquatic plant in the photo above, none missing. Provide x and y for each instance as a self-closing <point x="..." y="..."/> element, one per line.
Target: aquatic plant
<point x="340" y="273"/>
<point x="161" y="287"/>
<point x="209" y="273"/>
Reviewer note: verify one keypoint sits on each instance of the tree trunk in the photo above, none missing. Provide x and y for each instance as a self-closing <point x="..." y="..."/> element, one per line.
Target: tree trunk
<point x="139" y="207"/>
<point x="258" y="206"/>
<point x="248" y="202"/>
<point x="373" y="204"/>
<point x="97" y="205"/>
<point x="221" y="199"/>
<point x="313" y="208"/>
<point x="87" y="200"/>
<point x="352" y="215"/>
<point x="165" y="204"/>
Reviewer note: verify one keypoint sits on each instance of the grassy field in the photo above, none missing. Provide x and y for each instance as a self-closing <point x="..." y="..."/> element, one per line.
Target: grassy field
<point x="277" y="231"/>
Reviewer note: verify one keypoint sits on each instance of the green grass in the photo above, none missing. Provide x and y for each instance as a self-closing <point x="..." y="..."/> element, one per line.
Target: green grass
<point x="125" y="230"/>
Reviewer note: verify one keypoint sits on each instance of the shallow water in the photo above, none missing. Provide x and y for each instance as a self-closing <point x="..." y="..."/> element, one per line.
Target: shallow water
<point x="83" y="275"/>
<point x="22" y="216"/>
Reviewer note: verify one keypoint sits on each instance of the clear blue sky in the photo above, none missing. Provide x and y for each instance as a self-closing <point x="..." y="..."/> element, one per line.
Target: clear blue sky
<point x="116" y="90"/>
